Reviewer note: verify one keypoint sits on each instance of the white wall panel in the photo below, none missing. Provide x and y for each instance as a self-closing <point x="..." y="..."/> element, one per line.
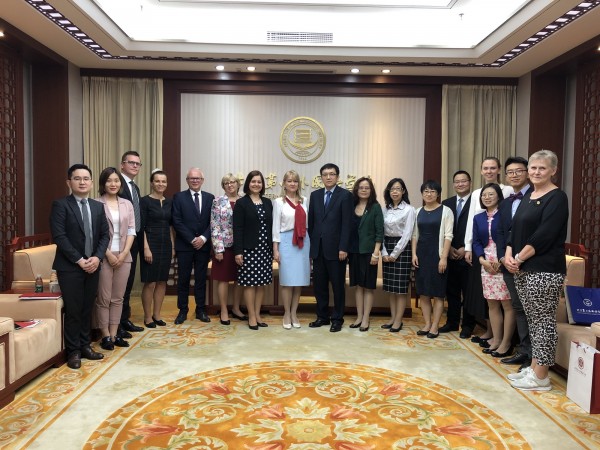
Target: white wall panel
<point x="380" y="137"/>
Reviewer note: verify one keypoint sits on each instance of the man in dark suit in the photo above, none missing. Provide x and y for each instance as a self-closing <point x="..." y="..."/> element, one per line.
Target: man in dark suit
<point x="329" y="223"/>
<point x="130" y="167"/>
<point x="517" y="177"/>
<point x="458" y="268"/>
<point x="191" y="220"/>
<point x="80" y="231"/>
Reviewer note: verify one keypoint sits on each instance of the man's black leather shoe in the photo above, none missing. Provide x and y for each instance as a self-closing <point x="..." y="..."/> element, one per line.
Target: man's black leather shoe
<point x="517" y="358"/>
<point x="123" y="334"/>
<point x="202" y="316"/>
<point x="74" y="360"/>
<point x="447" y="328"/>
<point x="181" y="317"/>
<point x="337" y="326"/>
<point x="319" y="323"/>
<point x="129" y="326"/>
<point x="88" y="353"/>
<point x="466" y="333"/>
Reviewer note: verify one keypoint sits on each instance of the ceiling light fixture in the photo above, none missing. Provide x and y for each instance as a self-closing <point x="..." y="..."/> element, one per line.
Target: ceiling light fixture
<point x="354" y="70"/>
<point x="1" y="34"/>
<point x="220" y="67"/>
<point x="385" y="71"/>
<point x="250" y="68"/>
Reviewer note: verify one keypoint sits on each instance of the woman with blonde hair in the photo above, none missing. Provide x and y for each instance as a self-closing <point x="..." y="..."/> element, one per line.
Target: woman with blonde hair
<point x="291" y="246"/>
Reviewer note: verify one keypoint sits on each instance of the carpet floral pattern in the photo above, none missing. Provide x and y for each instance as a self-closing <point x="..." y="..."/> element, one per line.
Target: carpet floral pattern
<point x="304" y="405"/>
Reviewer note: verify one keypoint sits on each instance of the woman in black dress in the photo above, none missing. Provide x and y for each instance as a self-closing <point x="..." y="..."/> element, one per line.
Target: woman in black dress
<point x="431" y="240"/>
<point x="158" y="251"/>
<point x="253" y="245"/>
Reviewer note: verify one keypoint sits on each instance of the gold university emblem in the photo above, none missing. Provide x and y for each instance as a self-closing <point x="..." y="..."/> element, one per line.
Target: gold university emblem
<point x="302" y="140"/>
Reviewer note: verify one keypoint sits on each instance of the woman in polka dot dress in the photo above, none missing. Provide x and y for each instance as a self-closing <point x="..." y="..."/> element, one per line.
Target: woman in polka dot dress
<point x="252" y="245"/>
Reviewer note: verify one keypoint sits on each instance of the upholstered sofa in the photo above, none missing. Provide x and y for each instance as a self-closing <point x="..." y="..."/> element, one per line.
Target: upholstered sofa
<point x="27" y="352"/>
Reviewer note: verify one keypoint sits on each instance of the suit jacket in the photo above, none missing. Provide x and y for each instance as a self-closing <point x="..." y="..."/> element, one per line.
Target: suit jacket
<point x="126" y="193"/>
<point x="66" y="225"/>
<point x="460" y="225"/>
<point x="126" y="223"/>
<point x="370" y="229"/>
<point x="246" y="224"/>
<point x="189" y="223"/>
<point x="330" y="228"/>
<point x="481" y="235"/>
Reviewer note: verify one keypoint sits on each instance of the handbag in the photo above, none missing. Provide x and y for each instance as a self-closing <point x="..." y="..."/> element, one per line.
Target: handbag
<point x="583" y="305"/>
<point x="583" y="383"/>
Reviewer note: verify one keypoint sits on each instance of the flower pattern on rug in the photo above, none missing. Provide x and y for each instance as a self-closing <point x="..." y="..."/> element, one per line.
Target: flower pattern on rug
<point x="304" y="405"/>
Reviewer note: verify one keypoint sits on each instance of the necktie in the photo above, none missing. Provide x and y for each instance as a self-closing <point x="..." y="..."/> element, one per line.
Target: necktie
<point x="517" y="196"/>
<point x="136" y="206"/>
<point x="327" y="198"/>
<point x="197" y="201"/>
<point x="459" y="207"/>
<point x="87" y="229"/>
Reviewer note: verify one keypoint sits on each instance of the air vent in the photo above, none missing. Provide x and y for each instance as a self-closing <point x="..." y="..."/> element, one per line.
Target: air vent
<point x="300" y="37"/>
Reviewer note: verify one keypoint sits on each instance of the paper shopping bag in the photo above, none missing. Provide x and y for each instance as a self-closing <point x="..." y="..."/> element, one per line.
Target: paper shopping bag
<point x="583" y="383"/>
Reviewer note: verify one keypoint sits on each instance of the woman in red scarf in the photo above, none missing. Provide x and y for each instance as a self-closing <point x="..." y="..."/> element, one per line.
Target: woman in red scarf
<point x="291" y="246"/>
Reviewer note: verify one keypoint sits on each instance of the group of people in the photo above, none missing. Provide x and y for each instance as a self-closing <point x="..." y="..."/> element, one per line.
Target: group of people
<point x="496" y="254"/>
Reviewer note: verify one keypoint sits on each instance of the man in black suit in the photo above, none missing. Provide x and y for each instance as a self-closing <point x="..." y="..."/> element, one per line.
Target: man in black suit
<point x="458" y="268"/>
<point x="80" y="231"/>
<point x="329" y="223"/>
<point x="191" y="221"/>
<point x="516" y="173"/>
<point x="130" y="167"/>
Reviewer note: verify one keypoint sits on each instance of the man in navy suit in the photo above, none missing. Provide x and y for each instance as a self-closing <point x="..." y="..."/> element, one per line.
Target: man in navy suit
<point x="80" y="231"/>
<point x="458" y="269"/>
<point x="518" y="178"/>
<point x="191" y="221"/>
<point x="329" y="224"/>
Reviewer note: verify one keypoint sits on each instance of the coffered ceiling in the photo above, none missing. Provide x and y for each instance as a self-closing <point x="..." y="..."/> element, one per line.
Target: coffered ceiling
<point x="481" y="38"/>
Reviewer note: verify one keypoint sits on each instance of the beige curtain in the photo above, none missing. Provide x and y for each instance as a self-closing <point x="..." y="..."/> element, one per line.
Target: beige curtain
<point x="121" y="114"/>
<point x="477" y="121"/>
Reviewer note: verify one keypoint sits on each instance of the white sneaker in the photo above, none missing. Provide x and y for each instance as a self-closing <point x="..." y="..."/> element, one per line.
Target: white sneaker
<point x="531" y="382"/>
<point x="517" y="376"/>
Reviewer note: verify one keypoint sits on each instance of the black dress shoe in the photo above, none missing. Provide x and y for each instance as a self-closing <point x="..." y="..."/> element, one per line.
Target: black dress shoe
<point x="433" y="335"/>
<point x="120" y="342"/>
<point x="262" y="324"/>
<point x="466" y="333"/>
<point x="385" y="326"/>
<point x="502" y="355"/>
<point x="242" y="317"/>
<point x="253" y="327"/>
<point x="181" y="317"/>
<point x="319" y="323"/>
<point x="447" y="328"/>
<point x="150" y="325"/>
<point x="488" y="351"/>
<point x="422" y="333"/>
<point x="356" y="325"/>
<point x="107" y="343"/>
<point x="396" y="330"/>
<point x="123" y="334"/>
<point x="225" y="322"/>
<point x="517" y="358"/>
<point x="337" y="326"/>
<point x="88" y="353"/>
<point x="129" y="326"/>
<point x="74" y="360"/>
<point x="202" y="316"/>
<point x="159" y="322"/>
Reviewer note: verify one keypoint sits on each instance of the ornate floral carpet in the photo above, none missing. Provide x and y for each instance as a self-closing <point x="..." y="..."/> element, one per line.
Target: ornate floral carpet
<point x="208" y="386"/>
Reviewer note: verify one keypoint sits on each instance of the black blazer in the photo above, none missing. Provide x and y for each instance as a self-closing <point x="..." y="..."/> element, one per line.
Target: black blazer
<point x="126" y="194"/>
<point x="246" y="225"/>
<point x="460" y="225"/>
<point x="189" y="223"/>
<point x="330" y="228"/>
<point x="66" y="225"/>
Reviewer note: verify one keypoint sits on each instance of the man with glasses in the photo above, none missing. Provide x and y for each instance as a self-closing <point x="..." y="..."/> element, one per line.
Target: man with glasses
<point x="329" y="223"/>
<point x="130" y="167"/>
<point x="517" y="177"/>
<point x="458" y="268"/>
<point x="80" y="231"/>
<point x="191" y="221"/>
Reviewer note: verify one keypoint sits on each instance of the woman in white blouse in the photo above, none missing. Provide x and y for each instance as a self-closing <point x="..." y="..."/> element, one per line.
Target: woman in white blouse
<point x="291" y="246"/>
<point x="398" y="223"/>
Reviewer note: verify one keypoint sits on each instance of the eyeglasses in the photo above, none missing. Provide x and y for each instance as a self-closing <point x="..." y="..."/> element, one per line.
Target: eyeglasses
<point x="194" y="179"/>
<point x="80" y="179"/>
<point x="328" y="174"/>
<point x="429" y="192"/>
<point x="396" y="189"/>
<point x="490" y="195"/>
<point x="516" y="172"/>
<point x="133" y="163"/>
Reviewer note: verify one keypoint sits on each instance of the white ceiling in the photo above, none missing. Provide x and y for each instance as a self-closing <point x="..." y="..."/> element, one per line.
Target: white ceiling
<point x="482" y="38"/>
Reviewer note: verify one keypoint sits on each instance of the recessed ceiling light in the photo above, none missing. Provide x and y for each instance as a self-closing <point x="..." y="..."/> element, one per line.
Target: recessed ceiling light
<point x="385" y="71"/>
<point x="1" y="34"/>
<point x="220" y="67"/>
<point x="354" y="70"/>
<point x="250" y="68"/>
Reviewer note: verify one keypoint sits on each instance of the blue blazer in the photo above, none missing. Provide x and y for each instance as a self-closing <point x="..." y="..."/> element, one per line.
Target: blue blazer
<point x="189" y="223"/>
<point x="330" y="229"/>
<point x="480" y="232"/>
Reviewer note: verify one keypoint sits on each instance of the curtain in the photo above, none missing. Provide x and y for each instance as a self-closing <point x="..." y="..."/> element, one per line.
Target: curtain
<point x="121" y="114"/>
<point x="477" y="122"/>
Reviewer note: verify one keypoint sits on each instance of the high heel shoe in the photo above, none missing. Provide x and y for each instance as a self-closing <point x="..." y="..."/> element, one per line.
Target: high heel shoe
<point x="225" y="322"/>
<point x="354" y="325"/>
<point x="150" y="325"/>
<point x="262" y="324"/>
<point x="159" y="322"/>
<point x="489" y="351"/>
<point x="287" y="326"/>
<point x="387" y="326"/>
<point x="296" y="325"/>
<point x="396" y="330"/>
<point x="253" y="327"/>
<point x="508" y="352"/>
<point x="238" y="317"/>
<point x="433" y="335"/>
<point x="479" y="339"/>
<point x="422" y="332"/>
<point x="484" y="344"/>
<point x="364" y="328"/>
